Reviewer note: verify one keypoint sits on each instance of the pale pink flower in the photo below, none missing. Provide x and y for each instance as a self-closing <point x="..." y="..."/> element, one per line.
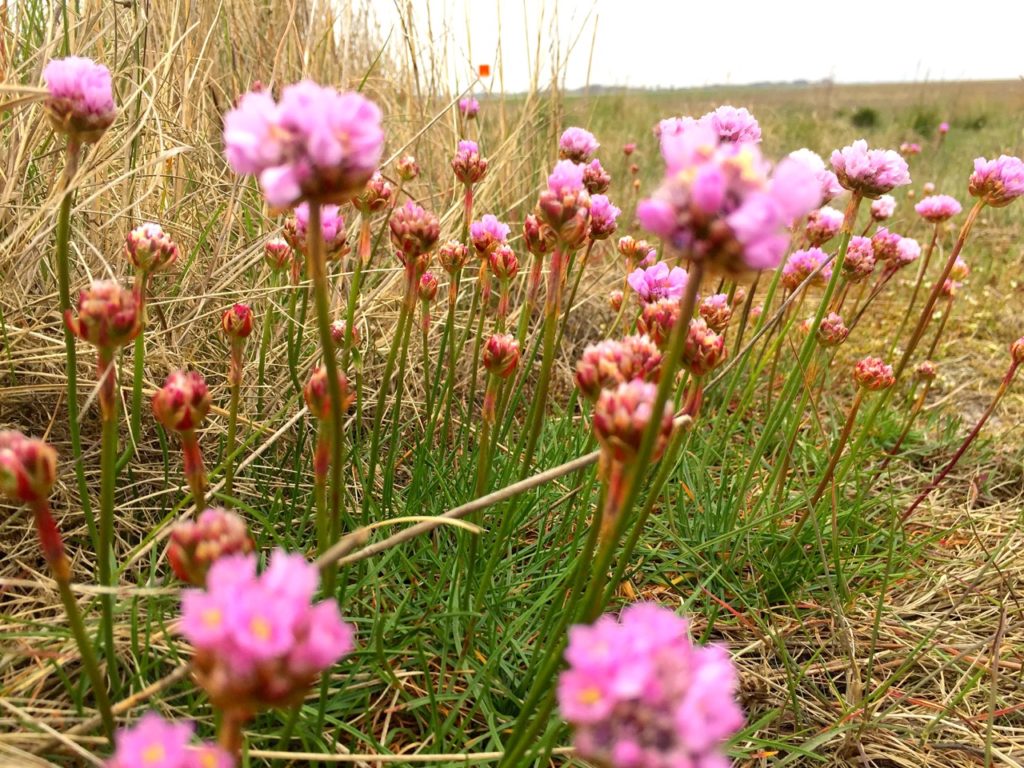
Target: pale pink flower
<point x="566" y="179"/>
<point x="883" y="208"/>
<point x="602" y="217"/>
<point x="469" y="107"/>
<point x="910" y="148"/>
<point x="658" y="282"/>
<point x="998" y="182"/>
<point x="860" y="259"/>
<point x="802" y="264"/>
<point x="869" y="172"/>
<point x="577" y="144"/>
<point x="157" y="743"/>
<point x="469" y="165"/>
<point x="823" y="224"/>
<point x="943" y="128"/>
<point x="830" y="187"/>
<point x="332" y="224"/>
<point x="488" y="233"/>
<point x="733" y="124"/>
<point x="80" y="98"/>
<point x="938" y="208"/>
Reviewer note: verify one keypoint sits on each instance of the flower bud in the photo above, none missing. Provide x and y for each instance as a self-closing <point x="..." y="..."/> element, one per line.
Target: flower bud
<point x="926" y="370"/>
<point x="375" y="197"/>
<point x="635" y="169"/>
<point x="108" y="315"/>
<point x="960" y="271"/>
<point x="704" y="349"/>
<point x="595" y="178"/>
<point x="1017" y="351"/>
<point x="407" y="167"/>
<point x="885" y="244"/>
<point x="182" y="403"/>
<point x="195" y="545"/>
<point x="488" y="233"/>
<point x="949" y="288"/>
<point x="609" y="363"/>
<point x="338" y="333"/>
<point x="928" y="188"/>
<point x="860" y="259"/>
<point x="501" y="355"/>
<point x="628" y="149"/>
<point x="414" y="231"/>
<point x="469" y="165"/>
<point x="615" y="299"/>
<point x="427" y="288"/>
<point x="28" y="468"/>
<point x="150" y="249"/>
<point x="833" y="331"/>
<point x="277" y="253"/>
<point x="873" y="374"/>
<point x="236" y="322"/>
<point x="318" y="395"/>
<point x="504" y="263"/>
<point x="452" y="256"/>
<point x="657" y="319"/>
<point x="621" y="416"/>
<point x="539" y="237"/>
<point x="637" y="252"/>
<point x="716" y="311"/>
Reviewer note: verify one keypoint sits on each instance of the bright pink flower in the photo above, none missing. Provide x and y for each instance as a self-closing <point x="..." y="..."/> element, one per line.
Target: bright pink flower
<point x="869" y="172"/>
<point x="673" y="126"/>
<point x="639" y="694"/>
<point x="873" y="374"/>
<point x="732" y="124"/>
<point x="488" y="233"/>
<point x="716" y="311"/>
<point x="998" y="182"/>
<point x="938" y="208"/>
<point x="943" y="128"/>
<point x="910" y="148"/>
<point x="332" y="223"/>
<point x="658" y="282"/>
<point x="469" y="107"/>
<point x="566" y="179"/>
<point x="830" y="187"/>
<point x="823" y="224"/>
<point x="883" y="208"/>
<point x="152" y="743"/>
<point x="577" y="144"/>
<point x="709" y="184"/>
<point x="316" y="143"/>
<point x="602" y="217"/>
<point x="802" y="264"/>
<point x="81" y="97"/>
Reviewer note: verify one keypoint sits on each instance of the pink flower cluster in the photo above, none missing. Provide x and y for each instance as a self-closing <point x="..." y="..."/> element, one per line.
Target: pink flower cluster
<point x="603" y="215"/>
<point x="157" y="743"/>
<point x="733" y="124"/>
<point x="830" y="187"/>
<point x="938" y="208"/>
<point x="488" y="233"/>
<point x="469" y="107"/>
<point x="823" y="224"/>
<point x="869" y="172"/>
<point x="566" y="179"/>
<point x="468" y="164"/>
<point x="315" y="143"/>
<point x="883" y="208"/>
<point x="998" y="182"/>
<point x="860" y="259"/>
<point x="640" y="694"/>
<point x="577" y="144"/>
<point x="658" y="282"/>
<point x="802" y="264"/>
<point x="260" y="640"/>
<point x="719" y="202"/>
<point x="332" y="226"/>
<point x="81" y="97"/>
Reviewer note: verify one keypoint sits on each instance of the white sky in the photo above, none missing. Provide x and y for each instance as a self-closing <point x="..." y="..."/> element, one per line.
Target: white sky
<point x="677" y="43"/>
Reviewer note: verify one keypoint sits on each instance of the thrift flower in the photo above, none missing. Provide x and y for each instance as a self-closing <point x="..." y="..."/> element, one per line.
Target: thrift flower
<point x="733" y="125"/>
<point x="501" y="355"/>
<point x="565" y="204"/>
<point x="938" y="208"/>
<point x="621" y="416"/>
<point x="414" y="231"/>
<point x="195" y="545"/>
<point x="869" y="172"/>
<point x="407" y="167"/>
<point x="277" y="253"/>
<point x="802" y="264"/>
<point x="822" y="225"/>
<point x="997" y="182"/>
<point x="108" y="315"/>
<point x="375" y="196"/>
<point x="488" y="233"/>
<point x="150" y="249"/>
<point x="80" y="97"/>
<point x="873" y="374"/>
<point x="469" y="107"/>
<point x="833" y="331"/>
<point x="577" y="144"/>
<point x="658" y="282"/>
<point x="595" y="178"/>
<point x="332" y="228"/>
<point x="602" y="217"/>
<point x="704" y="350"/>
<point x="830" y="187"/>
<point x="716" y="311"/>
<point x="609" y="363"/>
<point x="885" y="244"/>
<point x="469" y="165"/>
<point x="883" y="208"/>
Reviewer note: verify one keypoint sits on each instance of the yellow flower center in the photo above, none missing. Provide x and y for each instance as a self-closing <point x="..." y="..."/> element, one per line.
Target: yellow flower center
<point x="590" y="695"/>
<point x="154" y="753"/>
<point x="212" y="617"/>
<point x="260" y="627"/>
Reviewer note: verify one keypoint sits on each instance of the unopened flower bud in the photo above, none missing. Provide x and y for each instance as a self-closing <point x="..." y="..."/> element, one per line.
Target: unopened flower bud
<point x="318" y="394"/>
<point x="885" y="244"/>
<point x="628" y="148"/>
<point x="609" y="363"/>
<point x="407" y="167"/>
<point x="873" y="374"/>
<point x="1017" y="351"/>
<point x="150" y="249"/>
<point x="414" y="231"/>
<point x="277" y="253"/>
<point x="504" y="263"/>
<point x="501" y="355"/>
<point x="595" y="178"/>
<point x="621" y="416"/>
<point x="236" y="322"/>
<point x="338" y="328"/>
<point x="615" y="299"/>
<point x="657" y="320"/>
<point x="860" y="259"/>
<point x="539" y="237"/>
<point x="739" y="296"/>
<point x="704" y="349"/>
<point x="108" y="315"/>
<point x="182" y="403"/>
<point x="833" y="331"/>
<point x="469" y="165"/>
<point x="926" y="370"/>
<point x="28" y="468"/>
<point x="716" y="311"/>
<point x="375" y="197"/>
<point x="949" y="288"/>
<point x="634" y="169"/>
<point x="452" y="256"/>
<point x="960" y="271"/>
<point x="427" y="288"/>
<point x="195" y="545"/>
<point x="928" y="188"/>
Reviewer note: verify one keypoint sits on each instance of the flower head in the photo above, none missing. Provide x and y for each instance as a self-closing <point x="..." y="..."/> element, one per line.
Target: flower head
<point x="414" y="231"/>
<point x="565" y="204"/>
<point x="236" y="322"/>
<point x="910" y="148"/>
<point x="869" y="172"/>
<point x="822" y="225"/>
<point x="943" y="128"/>
<point x="469" y="107"/>
<point x="926" y="370"/>
<point x="538" y="236"/>
<point x="108" y="315"/>
<point x="833" y="331"/>
<point x="938" y="208"/>
<point x="657" y="319"/>
<point x="860" y="259"/>
<point x="28" y="468"/>
<point x="153" y="743"/>
<point x="830" y="187"/>
<point x="658" y="282"/>
<point x="637" y="251"/>
<point x="503" y="262"/>
<point x="260" y="640"/>
<point x="885" y="244"/>
<point x="407" y="167"/>
<point x="501" y="355"/>
<point x="315" y="144"/>
<point x="488" y="233"/>
<point x="452" y="256"/>
<point x="595" y="178"/>
<point x="640" y="694"/>
<point x="338" y="331"/>
<point x="883" y="208"/>
<point x="615" y="299"/>
<point x="603" y="215"/>
<point x="704" y="349"/>
<point x="332" y="229"/>
<point x="1017" y="351"/>
<point x="621" y="416"/>
<point x="196" y="544"/>
<point x="629" y="148"/>
<point x="469" y="165"/>
<point x="150" y="249"/>
<point x="318" y="394"/>
<point x="80" y="100"/>
<point x="873" y="374"/>
<point x="959" y="270"/>
<point x="609" y="363"/>
<point x="802" y="264"/>
<point x="277" y="253"/>
<point x="997" y="182"/>
<point x="427" y="288"/>
<point x="716" y="311"/>
<point x="577" y="144"/>
<point x="733" y="124"/>
<point x="375" y="196"/>
<point x="907" y="251"/>
<point x="182" y="403"/>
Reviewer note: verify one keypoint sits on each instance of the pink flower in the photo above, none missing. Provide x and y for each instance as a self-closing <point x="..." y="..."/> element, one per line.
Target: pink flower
<point x="802" y="264"/>
<point x="910" y="148"/>
<point x="577" y="144"/>
<point x="565" y="205"/>
<point x="595" y="178"/>
<point x="469" y="165"/>
<point x="469" y="107"/>
<point x="869" y="172"/>
<point x="873" y="374"/>
<point x="883" y="208"/>
<point x="732" y="124"/>
<point x="658" y="282"/>
<point x="639" y="694"/>
<point x="157" y="743"/>
<point x="823" y="224"/>
<point x="943" y="128"/>
<point x="709" y="184"/>
<point x="332" y="224"/>
<point x="907" y="251"/>
<point x="830" y="187"/>
<point x="860" y="259"/>
<point x="998" y="182"/>
<point x="938" y="208"/>
<point x="81" y="97"/>
<point x="566" y="179"/>
<point x="602" y="217"/>
<point x="316" y="143"/>
<point x="488" y="233"/>
<point x="673" y="126"/>
<point x="885" y="244"/>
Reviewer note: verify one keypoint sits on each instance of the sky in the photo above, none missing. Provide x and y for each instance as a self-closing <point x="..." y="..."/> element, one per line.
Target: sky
<point x="680" y="43"/>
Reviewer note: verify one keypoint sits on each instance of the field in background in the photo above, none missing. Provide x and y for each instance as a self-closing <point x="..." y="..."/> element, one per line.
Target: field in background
<point x="943" y="627"/>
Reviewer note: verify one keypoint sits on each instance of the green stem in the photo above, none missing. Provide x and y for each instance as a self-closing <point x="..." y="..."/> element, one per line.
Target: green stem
<point x="108" y="476"/>
<point x="236" y="392"/>
<point x="392" y="458"/>
<point x="268" y="326"/>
